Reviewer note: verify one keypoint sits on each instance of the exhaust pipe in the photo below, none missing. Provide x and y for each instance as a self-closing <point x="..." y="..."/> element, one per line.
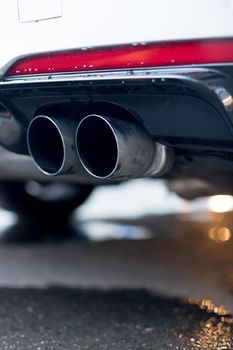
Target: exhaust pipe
<point x="116" y="149"/>
<point x="51" y="145"/>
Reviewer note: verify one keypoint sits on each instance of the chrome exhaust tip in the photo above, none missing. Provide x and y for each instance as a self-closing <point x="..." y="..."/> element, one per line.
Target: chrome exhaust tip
<point x="118" y="149"/>
<point x="97" y="146"/>
<point x="46" y="145"/>
<point x="51" y="145"/>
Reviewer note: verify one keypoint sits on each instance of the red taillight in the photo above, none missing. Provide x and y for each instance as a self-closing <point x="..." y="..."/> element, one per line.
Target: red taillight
<point x="131" y="56"/>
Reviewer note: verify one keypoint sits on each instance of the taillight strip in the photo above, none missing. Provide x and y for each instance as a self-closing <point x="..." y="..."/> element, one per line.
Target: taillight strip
<point x="210" y="51"/>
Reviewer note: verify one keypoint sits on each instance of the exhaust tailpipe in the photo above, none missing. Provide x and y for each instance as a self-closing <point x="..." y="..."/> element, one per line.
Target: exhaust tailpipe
<point x="51" y="145"/>
<point x="116" y="149"/>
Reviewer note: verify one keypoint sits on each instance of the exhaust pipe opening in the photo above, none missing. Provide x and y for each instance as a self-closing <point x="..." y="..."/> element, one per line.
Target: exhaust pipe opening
<point x="97" y="146"/>
<point x="46" y="145"/>
<point x="111" y="148"/>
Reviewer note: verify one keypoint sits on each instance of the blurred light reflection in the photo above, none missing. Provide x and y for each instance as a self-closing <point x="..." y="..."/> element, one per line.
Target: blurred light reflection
<point x="100" y="230"/>
<point x="216" y="331"/>
<point x="213" y="334"/>
<point x="219" y="234"/>
<point x="220" y="203"/>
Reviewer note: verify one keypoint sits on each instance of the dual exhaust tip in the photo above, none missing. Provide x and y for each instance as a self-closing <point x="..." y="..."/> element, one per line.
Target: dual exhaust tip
<point x="107" y="148"/>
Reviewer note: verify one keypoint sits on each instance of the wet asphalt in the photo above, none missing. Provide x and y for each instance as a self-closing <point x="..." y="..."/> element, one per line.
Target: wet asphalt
<point x="152" y="294"/>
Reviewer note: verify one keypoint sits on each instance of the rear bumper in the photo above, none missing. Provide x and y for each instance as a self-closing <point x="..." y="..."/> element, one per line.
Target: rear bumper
<point x="188" y="109"/>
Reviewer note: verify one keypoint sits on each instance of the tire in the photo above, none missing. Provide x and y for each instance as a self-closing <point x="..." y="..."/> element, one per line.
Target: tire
<point x="39" y="214"/>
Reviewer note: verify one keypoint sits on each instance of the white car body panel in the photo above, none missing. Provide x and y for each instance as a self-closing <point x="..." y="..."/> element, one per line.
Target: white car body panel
<point x="103" y="22"/>
<point x="39" y="10"/>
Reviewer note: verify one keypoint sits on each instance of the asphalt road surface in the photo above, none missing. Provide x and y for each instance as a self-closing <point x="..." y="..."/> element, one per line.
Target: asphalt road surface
<point x="87" y="319"/>
<point x="151" y="294"/>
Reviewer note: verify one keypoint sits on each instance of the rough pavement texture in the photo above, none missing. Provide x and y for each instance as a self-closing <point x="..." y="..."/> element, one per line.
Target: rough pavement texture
<point x="67" y="319"/>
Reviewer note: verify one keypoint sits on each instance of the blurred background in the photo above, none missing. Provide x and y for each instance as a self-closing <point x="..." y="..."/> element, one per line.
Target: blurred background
<point x="140" y="209"/>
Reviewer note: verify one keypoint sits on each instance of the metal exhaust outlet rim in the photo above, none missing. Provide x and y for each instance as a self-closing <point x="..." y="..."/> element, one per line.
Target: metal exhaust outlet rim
<point x="84" y="164"/>
<point x="44" y="117"/>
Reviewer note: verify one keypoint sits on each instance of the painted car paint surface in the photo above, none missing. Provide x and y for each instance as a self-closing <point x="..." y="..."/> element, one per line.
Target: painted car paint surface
<point x="35" y="26"/>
